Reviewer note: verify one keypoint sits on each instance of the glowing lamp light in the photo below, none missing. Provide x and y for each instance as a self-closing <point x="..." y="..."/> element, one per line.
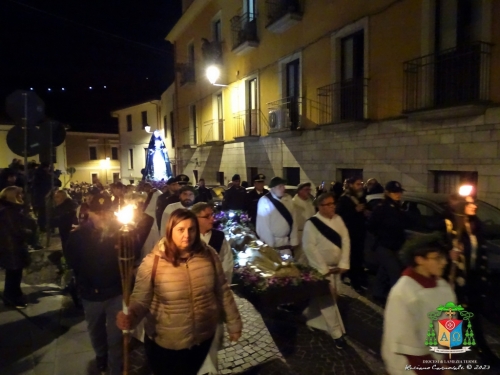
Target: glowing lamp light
<point x="90" y="88"/>
<point x="231" y="214"/>
<point x="147" y="128"/>
<point x="31" y="88"/>
<point x="62" y="89"/>
<point x="213" y="74"/>
<point x="465" y="190"/>
<point x="125" y="215"/>
<point x="49" y="89"/>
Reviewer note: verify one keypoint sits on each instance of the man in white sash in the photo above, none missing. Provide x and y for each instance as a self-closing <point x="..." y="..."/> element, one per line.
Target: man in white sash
<point x="326" y="245"/>
<point x="217" y="240"/>
<point x="276" y="222"/>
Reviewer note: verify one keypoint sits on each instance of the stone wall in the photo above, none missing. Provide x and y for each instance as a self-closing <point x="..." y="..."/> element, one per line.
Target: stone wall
<point x="400" y="149"/>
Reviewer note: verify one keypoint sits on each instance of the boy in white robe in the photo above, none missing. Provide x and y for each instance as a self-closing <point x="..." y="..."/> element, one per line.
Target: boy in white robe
<point x="420" y="290"/>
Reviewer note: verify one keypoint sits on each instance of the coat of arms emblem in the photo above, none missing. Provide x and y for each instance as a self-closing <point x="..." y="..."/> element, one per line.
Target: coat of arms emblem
<point x="450" y="336"/>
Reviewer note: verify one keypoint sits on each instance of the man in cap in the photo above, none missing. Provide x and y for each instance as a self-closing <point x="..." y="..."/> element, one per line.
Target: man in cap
<point x="186" y="200"/>
<point x="276" y="222"/>
<point x="255" y="194"/>
<point x="326" y="245"/>
<point x="235" y="197"/>
<point x="92" y="252"/>
<point x="351" y="208"/>
<point x="304" y="209"/>
<point x="388" y="223"/>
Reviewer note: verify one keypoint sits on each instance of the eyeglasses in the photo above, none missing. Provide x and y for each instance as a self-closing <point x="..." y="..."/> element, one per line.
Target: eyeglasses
<point x="327" y="204"/>
<point x="211" y="216"/>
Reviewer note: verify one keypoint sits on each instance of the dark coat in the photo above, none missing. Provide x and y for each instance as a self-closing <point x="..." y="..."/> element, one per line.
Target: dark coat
<point x="354" y="221"/>
<point x="42" y="184"/>
<point x="388" y="223"/>
<point x="14" y="253"/>
<point x="93" y="256"/>
<point x="64" y="217"/>
<point x="204" y="194"/>
<point x="235" y="198"/>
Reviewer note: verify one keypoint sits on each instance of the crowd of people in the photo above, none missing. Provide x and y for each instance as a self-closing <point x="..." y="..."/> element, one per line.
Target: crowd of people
<point x="184" y="265"/>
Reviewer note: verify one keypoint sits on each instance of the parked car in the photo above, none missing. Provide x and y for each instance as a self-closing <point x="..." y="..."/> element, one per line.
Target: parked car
<point x="430" y="209"/>
<point x="289" y="189"/>
<point x="217" y="194"/>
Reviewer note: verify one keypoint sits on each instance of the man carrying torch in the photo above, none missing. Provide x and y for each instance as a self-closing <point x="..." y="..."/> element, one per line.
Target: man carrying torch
<point x="93" y="253"/>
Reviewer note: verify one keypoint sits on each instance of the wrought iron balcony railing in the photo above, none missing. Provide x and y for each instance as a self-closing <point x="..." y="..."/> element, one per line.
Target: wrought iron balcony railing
<point x="453" y="77"/>
<point x="213" y="131"/>
<point x="285" y="114"/>
<point x="343" y="101"/>
<point x="246" y="123"/>
<point x="244" y="29"/>
<point x="277" y="9"/>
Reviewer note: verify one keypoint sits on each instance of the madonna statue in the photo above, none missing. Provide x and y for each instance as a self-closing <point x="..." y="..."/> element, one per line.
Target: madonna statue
<point x="157" y="161"/>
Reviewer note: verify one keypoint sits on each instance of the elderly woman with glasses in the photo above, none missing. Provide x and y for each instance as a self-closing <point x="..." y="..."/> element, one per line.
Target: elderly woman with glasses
<point x="183" y="293"/>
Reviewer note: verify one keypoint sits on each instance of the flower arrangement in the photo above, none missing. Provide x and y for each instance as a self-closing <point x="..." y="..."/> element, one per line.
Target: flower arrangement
<point x="253" y="281"/>
<point x="227" y="219"/>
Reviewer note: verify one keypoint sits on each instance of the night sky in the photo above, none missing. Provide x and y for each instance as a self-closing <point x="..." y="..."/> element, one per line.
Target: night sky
<point x="56" y="46"/>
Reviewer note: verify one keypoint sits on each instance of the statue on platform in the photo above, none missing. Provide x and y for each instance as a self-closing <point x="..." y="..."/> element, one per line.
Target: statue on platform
<point x="157" y="162"/>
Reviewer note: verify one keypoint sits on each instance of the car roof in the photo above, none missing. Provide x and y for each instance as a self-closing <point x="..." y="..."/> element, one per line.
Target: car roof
<point x="433" y="197"/>
<point x="287" y="187"/>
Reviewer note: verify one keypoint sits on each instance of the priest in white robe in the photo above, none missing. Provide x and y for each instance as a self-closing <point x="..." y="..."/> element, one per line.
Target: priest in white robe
<point x="326" y="245"/>
<point x="276" y="222"/>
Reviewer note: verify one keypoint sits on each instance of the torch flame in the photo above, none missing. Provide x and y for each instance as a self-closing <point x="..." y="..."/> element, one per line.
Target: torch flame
<point x="465" y="190"/>
<point x="125" y="215"/>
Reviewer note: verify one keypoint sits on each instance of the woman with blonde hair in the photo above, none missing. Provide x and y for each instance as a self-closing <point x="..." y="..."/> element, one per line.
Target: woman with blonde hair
<point x="14" y="255"/>
<point x="182" y="291"/>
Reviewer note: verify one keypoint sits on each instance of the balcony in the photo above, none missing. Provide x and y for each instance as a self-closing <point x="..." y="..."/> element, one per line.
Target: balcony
<point x="187" y="74"/>
<point x="285" y="117"/>
<point x="213" y="132"/>
<point x="244" y="30"/>
<point x="247" y="125"/>
<point x="283" y="14"/>
<point x="343" y="105"/>
<point x="451" y="83"/>
<point x="188" y="138"/>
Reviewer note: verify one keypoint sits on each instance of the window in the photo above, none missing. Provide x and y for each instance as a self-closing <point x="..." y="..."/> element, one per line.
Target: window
<point x="129" y="123"/>
<point x="95" y="178"/>
<point x="220" y="117"/>
<point x="344" y="174"/>
<point x="146" y="151"/>
<point x="291" y="175"/>
<point x="252" y="113"/>
<point x="426" y="218"/>
<point x="116" y="177"/>
<point x="220" y="178"/>
<point x="352" y="77"/>
<point x="192" y="125"/>
<point x="144" y="118"/>
<point x="93" y="153"/>
<point x="217" y="30"/>
<point x="293" y="91"/>
<point x="114" y="153"/>
<point x="131" y="158"/>
<point x="448" y="182"/>
<point x="172" y="127"/>
<point x="249" y="6"/>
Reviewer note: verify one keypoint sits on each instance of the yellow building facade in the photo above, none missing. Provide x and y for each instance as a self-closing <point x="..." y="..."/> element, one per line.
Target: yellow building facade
<point x="318" y="90"/>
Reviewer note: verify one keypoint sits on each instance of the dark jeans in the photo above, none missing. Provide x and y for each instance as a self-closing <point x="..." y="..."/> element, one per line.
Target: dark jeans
<point x="176" y="362"/>
<point x="41" y="214"/>
<point x="389" y="271"/>
<point x="12" y="290"/>
<point x="106" y="338"/>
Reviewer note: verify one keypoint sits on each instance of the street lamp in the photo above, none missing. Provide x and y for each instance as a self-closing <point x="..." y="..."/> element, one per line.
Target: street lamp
<point x="465" y="190"/>
<point x="213" y="74"/>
